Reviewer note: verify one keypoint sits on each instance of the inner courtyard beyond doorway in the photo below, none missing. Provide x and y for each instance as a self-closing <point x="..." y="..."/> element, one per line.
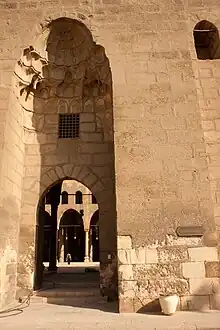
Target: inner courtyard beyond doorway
<point x="74" y="209"/>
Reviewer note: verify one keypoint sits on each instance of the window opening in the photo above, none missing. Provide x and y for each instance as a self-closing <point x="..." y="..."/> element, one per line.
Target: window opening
<point x="79" y="197"/>
<point x="69" y="126"/>
<point x="206" y="39"/>
<point x="65" y="197"/>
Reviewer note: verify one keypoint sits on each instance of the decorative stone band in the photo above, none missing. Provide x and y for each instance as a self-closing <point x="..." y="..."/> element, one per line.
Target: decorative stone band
<point x="180" y="265"/>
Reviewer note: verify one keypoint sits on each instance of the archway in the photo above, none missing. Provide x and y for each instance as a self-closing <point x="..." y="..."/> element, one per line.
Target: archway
<point x="70" y="224"/>
<point x="71" y="236"/>
<point x="64" y="85"/>
<point x="94" y="236"/>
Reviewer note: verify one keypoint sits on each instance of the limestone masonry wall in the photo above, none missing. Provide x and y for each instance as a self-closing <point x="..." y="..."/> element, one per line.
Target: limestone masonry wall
<point x="149" y="148"/>
<point x="180" y="265"/>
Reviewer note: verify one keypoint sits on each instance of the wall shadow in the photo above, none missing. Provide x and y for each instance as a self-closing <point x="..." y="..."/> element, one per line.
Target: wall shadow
<point x="70" y="76"/>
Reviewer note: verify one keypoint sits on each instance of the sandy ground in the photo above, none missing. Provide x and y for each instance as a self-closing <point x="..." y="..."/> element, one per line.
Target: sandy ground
<point x="46" y="316"/>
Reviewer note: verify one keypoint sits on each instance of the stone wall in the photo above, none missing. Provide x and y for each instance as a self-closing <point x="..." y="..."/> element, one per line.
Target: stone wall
<point x="178" y="265"/>
<point x="11" y="174"/>
<point x="166" y="161"/>
<point x="207" y="77"/>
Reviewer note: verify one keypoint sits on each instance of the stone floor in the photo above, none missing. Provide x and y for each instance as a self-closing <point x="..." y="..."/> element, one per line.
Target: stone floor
<point x="46" y="316"/>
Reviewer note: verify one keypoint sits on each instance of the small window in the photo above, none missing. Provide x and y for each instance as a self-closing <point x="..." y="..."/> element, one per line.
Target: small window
<point x="64" y="197"/>
<point x="94" y="201"/>
<point x="69" y="126"/>
<point x="79" y="197"/>
<point x="206" y="39"/>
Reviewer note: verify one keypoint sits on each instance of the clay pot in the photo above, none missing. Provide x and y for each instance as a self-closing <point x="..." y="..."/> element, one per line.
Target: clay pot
<point x="169" y="303"/>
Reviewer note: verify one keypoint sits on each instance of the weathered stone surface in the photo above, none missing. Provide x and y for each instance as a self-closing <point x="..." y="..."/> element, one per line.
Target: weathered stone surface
<point x="163" y="145"/>
<point x="204" y="286"/>
<point x="128" y="288"/>
<point x="11" y="269"/>
<point x="203" y="254"/>
<point x="211" y="238"/>
<point x="124" y="243"/>
<point x="151" y="256"/>
<point x="124" y="257"/>
<point x="126" y="305"/>
<point x="212" y="269"/>
<point x="157" y="287"/>
<point x="215" y="301"/>
<point x="157" y="271"/>
<point x="173" y="254"/>
<point x="193" y="269"/>
<point x="137" y="256"/>
<point x="183" y="241"/>
<point x="197" y="303"/>
<point x="125" y="272"/>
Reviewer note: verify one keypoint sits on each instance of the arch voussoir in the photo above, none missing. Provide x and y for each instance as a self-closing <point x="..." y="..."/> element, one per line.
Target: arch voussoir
<point x="68" y="169"/>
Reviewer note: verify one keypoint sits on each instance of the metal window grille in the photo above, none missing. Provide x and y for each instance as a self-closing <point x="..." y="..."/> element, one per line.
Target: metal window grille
<point x="69" y="126"/>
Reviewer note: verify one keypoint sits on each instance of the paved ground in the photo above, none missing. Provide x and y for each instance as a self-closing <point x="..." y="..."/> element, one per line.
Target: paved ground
<point x="46" y="316"/>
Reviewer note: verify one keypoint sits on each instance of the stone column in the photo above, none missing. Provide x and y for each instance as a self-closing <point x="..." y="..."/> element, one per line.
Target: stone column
<point x="62" y="238"/>
<point x="91" y="252"/>
<point x="86" y="258"/>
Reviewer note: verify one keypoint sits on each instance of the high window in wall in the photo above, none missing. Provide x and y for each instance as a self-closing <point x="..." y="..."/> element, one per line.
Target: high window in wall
<point x="69" y="126"/>
<point x="207" y="43"/>
<point x="64" y="197"/>
<point x="79" y="197"/>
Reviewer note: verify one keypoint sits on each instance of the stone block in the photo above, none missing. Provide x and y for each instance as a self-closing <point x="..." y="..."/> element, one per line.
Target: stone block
<point x="126" y="305"/>
<point x="211" y="238"/>
<point x="76" y="170"/>
<point x="203" y="254"/>
<point x="127" y="288"/>
<point x="124" y="257"/>
<point x="212" y="269"/>
<point x="124" y="243"/>
<point x="215" y="301"/>
<point x="59" y="171"/>
<point x="68" y="169"/>
<point x="138" y="256"/>
<point x="155" y="287"/>
<point x="90" y="179"/>
<point x="193" y="269"/>
<point x="52" y="175"/>
<point x="125" y="272"/>
<point x="87" y="127"/>
<point x="91" y="136"/>
<point x="102" y="159"/>
<point x="203" y="286"/>
<point x="11" y="269"/>
<point x="157" y="271"/>
<point x="172" y="254"/>
<point x="87" y="117"/>
<point x="197" y="303"/>
<point x="151" y="256"/>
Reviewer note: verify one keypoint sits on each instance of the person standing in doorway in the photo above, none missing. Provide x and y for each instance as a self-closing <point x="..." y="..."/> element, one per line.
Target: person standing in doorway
<point x="68" y="258"/>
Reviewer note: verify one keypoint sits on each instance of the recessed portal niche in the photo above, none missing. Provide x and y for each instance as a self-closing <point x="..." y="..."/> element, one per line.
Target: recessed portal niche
<point x="77" y="224"/>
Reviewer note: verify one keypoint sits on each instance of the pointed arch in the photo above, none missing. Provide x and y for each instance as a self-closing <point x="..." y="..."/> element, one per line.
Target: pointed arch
<point x="79" y="197"/>
<point x="206" y="39"/>
<point x="65" y="197"/>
